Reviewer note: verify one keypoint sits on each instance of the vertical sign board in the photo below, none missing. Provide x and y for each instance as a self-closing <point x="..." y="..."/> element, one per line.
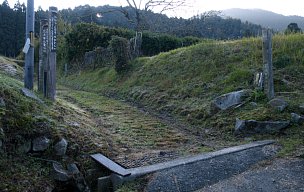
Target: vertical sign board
<point x="29" y="56"/>
<point x="42" y="53"/>
<point x="51" y="79"/>
<point x="45" y="61"/>
<point x="53" y="28"/>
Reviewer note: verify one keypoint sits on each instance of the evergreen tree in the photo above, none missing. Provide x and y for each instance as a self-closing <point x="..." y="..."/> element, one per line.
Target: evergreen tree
<point x="12" y="28"/>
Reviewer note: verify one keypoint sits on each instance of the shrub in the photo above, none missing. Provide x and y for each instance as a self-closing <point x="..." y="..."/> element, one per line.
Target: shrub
<point x="120" y="49"/>
<point x="281" y="61"/>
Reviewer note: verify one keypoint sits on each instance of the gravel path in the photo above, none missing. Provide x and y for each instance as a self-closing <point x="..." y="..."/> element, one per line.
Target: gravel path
<point x="279" y="175"/>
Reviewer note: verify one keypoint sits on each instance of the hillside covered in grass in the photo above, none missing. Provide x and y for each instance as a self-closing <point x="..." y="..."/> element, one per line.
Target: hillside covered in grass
<point x="157" y="110"/>
<point x="180" y="84"/>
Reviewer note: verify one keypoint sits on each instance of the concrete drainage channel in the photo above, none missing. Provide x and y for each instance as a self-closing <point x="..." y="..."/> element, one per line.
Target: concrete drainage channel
<point x="189" y="173"/>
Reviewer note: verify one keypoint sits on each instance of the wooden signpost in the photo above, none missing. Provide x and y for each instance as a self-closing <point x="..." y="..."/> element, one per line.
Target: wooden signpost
<point x="43" y="55"/>
<point x="47" y="60"/>
<point x="267" y="61"/>
<point x="51" y="75"/>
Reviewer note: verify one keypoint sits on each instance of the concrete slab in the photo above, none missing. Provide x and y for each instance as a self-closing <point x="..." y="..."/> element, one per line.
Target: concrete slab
<point x="195" y="172"/>
<point x="111" y="165"/>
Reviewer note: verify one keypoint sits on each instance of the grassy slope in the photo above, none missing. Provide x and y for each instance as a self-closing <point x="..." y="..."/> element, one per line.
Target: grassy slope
<point x="184" y="81"/>
<point x="20" y="119"/>
<point x="23" y="119"/>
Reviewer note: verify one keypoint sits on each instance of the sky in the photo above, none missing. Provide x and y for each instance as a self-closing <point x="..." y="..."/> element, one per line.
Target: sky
<point x="194" y="7"/>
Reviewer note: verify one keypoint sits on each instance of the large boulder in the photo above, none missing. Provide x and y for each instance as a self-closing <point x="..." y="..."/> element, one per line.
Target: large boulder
<point x="24" y="146"/>
<point x="2" y="102"/>
<point x="250" y="127"/>
<point x="79" y="180"/>
<point x="301" y="108"/>
<point x="40" y="144"/>
<point x="59" y="173"/>
<point x="228" y="100"/>
<point x="8" y="69"/>
<point x="278" y="104"/>
<point x="2" y="136"/>
<point x="28" y="93"/>
<point x="61" y="147"/>
<point x="89" y="58"/>
<point x="295" y="118"/>
<point x="70" y="176"/>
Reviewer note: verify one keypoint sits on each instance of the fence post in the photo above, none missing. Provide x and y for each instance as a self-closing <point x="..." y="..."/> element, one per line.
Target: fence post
<point x="29" y="37"/>
<point x="43" y="58"/>
<point x="267" y="62"/>
<point x="51" y="79"/>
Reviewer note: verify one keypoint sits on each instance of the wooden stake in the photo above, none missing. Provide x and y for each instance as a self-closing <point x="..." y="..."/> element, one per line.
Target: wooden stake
<point x="267" y="61"/>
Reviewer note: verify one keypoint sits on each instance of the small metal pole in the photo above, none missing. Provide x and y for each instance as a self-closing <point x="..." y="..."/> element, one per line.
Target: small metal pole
<point x="29" y="56"/>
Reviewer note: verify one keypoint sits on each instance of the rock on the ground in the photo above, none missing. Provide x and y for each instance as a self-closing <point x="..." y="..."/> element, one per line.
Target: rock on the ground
<point x="8" y="69"/>
<point x="73" y="169"/>
<point x="2" y="135"/>
<point x="278" y="104"/>
<point x="74" y="124"/>
<point x="228" y="100"/>
<point x="301" y="108"/>
<point x="253" y="104"/>
<point x="2" y="102"/>
<point x="79" y="180"/>
<point x="249" y="127"/>
<point x="59" y="173"/>
<point x="24" y="147"/>
<point x="295" y="118"/>
<point x="61" y="147"/>
<point x="28" y="93"/>
<point x="70" y="175"/>
<point x="271" y="150"/>
<point x="40" y="144"/>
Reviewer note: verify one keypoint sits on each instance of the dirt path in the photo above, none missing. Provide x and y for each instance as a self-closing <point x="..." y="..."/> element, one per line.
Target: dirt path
<point x="128" y="135"/>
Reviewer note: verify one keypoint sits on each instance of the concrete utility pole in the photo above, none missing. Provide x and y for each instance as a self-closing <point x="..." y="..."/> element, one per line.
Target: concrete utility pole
<point x="267" y="61"/>
<point x="29" y="53"/>
<point x="51" y="75"/>
<point x="43" y="52"/>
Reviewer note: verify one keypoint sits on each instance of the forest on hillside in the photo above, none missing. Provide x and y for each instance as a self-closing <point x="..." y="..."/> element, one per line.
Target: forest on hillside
<point x="208" y="25"/>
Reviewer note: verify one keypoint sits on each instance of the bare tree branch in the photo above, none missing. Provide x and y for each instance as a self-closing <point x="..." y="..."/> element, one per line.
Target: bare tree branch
<point x="149" y="5"/>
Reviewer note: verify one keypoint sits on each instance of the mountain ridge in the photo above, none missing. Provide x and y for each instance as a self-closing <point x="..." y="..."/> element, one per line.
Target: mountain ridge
<point x="264" y="18"/>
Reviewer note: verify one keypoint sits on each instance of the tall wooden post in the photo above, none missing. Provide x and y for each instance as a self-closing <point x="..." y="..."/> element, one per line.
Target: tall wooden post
<point x="43" y="51"/>
<point x="267" y="61"/>
<point x="51" y="79"/>
<point x="29" y="56"/>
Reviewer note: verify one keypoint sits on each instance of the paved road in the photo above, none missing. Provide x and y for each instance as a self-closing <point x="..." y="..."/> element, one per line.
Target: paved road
<point x="279" y="175"/>
<point x="193" y="176"/>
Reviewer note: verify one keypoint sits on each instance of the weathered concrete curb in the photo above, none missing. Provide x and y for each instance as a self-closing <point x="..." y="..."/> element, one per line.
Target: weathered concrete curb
<point x="195" y="172"/>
